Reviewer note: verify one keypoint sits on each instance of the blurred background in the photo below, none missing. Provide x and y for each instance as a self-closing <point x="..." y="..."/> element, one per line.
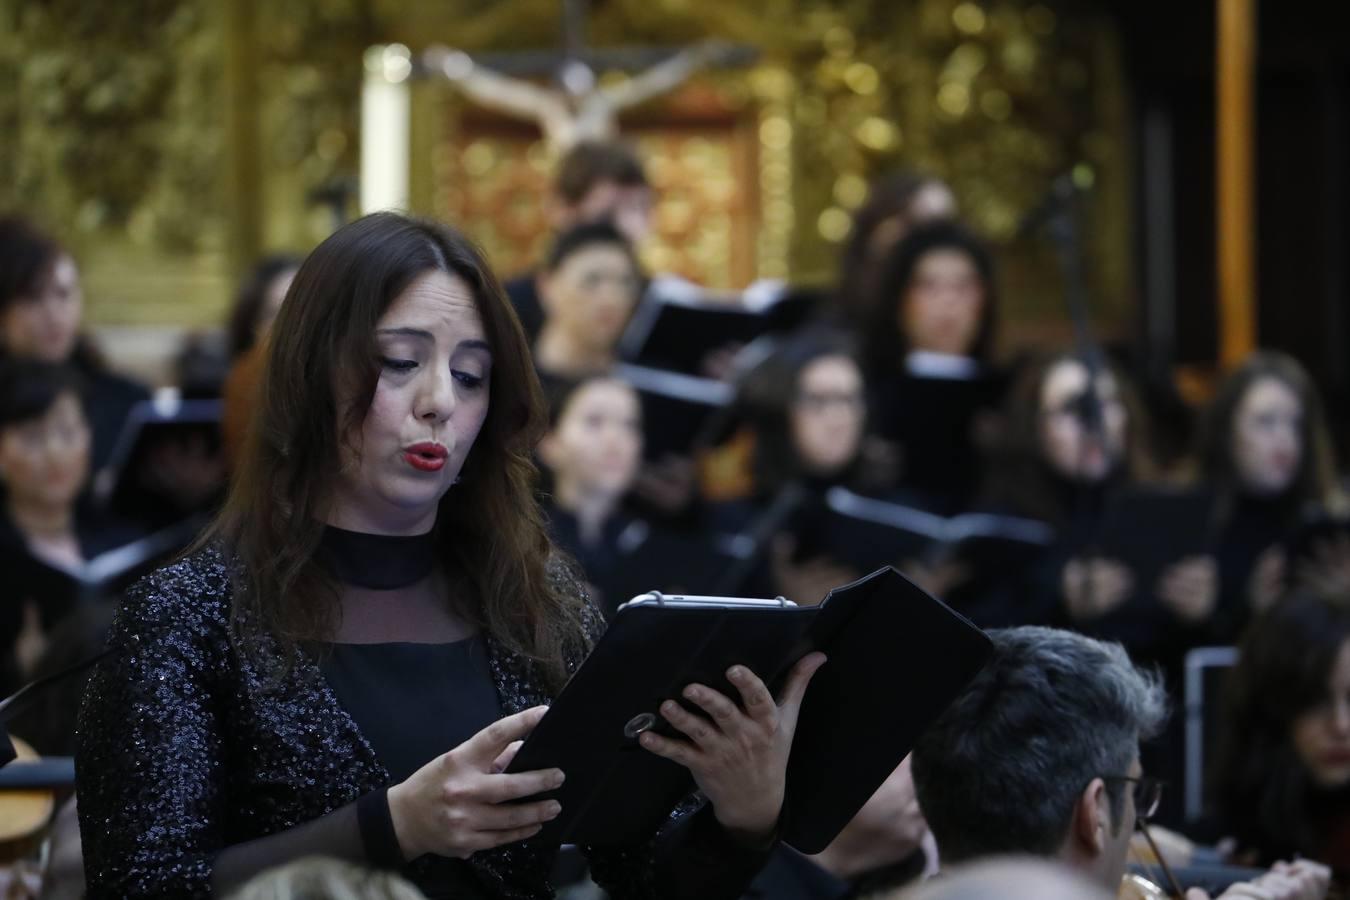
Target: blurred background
<point x="170" y="143"/>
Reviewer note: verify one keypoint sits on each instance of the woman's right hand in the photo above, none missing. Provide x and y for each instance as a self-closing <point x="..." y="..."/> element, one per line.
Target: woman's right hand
<point x="459" y="803"/>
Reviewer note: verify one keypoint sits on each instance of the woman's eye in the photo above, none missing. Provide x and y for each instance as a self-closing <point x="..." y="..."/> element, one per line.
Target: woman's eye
<point x="468" y="379"/>
<point x="399" y="365"/>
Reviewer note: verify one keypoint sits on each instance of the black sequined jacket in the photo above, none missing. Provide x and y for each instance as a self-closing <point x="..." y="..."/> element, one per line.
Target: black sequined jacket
<point x="185" y="748"/>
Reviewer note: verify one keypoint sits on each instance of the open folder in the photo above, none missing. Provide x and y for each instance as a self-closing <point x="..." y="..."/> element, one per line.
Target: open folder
<point x="165" y="419"/>
<point x="897" y="658"/>
<point x="676" y="327"/>
<point x="677" y="410"/>
<point x="865" y="532"/>
<point x="58" y="590"/>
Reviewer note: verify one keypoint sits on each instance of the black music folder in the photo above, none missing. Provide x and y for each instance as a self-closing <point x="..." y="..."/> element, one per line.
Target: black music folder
<point x="897" y="658"/>
<point x="150" y="423"/>
<point x="680" y="413"/>
<point x="866" y="532"/>
<point x="59" y="590"/>
<point x="1151" y="527"/>
<point x="677" y="329"/>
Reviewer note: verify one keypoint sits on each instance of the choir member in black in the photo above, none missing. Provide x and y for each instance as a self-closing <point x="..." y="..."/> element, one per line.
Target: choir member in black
<point x="895" y="205"/>
<point x="928" y="344"/>
<point x="1090" y="455"/>
<point x="597" y="181"/>
<point x="41" y="308"/>
<point x="806" y="410"/>
<point x="46" y="533"/>
<point x="1096" y="591"/>
<point x="1266" y="455"/>
<point x="588" y="290"/>
<point x="1282" y="783"/>
<point x="592" y="451"/>
<point x="1055" y="469"/>
<point x="344" y="664"/>
<point x="592" y="455"/>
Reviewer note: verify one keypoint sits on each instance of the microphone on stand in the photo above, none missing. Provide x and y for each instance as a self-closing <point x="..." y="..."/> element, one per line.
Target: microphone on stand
<point x="1058" y="214"/>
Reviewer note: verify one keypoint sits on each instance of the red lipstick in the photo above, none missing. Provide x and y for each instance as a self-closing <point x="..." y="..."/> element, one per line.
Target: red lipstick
<point x="426" y="456"/>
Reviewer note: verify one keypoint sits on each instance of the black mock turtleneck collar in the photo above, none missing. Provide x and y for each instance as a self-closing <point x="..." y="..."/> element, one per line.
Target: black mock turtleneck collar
<point x="380" y="562"/>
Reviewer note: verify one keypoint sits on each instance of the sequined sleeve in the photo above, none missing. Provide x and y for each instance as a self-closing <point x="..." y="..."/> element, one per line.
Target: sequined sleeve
<point x="149" y="759"/>
<point x="691" y="857"/>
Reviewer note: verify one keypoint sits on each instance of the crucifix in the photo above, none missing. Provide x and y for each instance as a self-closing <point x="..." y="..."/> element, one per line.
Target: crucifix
<point x="574" y="107"/>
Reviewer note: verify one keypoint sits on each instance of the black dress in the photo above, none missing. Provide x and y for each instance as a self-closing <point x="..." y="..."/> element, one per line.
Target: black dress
<point x="195" y="768"/>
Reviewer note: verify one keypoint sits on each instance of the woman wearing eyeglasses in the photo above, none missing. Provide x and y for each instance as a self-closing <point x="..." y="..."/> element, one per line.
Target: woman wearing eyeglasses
<point x="1075" y="437"/>
<point x="805" y="407"/>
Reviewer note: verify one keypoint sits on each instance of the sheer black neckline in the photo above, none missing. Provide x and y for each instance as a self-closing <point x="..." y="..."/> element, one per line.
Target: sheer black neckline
<point x="381" y="562"/>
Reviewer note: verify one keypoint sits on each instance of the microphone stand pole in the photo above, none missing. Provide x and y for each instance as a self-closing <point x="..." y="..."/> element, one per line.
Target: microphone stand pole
<point x="1059" y="215"/>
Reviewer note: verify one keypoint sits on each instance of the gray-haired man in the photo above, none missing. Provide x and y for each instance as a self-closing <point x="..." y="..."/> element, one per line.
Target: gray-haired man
<point x="1040" y="757"/>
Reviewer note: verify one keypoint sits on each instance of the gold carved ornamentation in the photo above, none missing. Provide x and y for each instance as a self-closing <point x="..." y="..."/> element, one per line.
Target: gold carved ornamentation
<point x="169" y="140"/>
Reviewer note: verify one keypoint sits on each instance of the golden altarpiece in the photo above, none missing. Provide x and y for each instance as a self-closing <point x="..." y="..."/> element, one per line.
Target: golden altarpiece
<point x="171" y="141"/>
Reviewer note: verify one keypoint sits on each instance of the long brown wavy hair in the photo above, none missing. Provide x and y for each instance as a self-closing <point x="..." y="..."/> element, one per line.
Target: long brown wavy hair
<point x="1263" y="791"/>
<point x="322" y="347"/>
<point x="1019" y="477"/>
<point x="1314" y="483"/>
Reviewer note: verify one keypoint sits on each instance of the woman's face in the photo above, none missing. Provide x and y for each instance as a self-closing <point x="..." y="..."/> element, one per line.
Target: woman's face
<point x="591" y="296"/>
<point x="46" y="324"/>
<point x="428" y="406"/>
<point x="1066" y="444"/>
<point x="1321" y="734"/>
<point x="597" y="443"/>
<point x="828" y="414"/>
<point x="941" y="310"/>
<point x="1268" y="437"/>
<point x="44" y="462"/>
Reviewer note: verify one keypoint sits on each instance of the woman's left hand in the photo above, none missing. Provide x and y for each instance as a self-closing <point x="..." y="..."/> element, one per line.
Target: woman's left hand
<point x="738" y="757"/>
